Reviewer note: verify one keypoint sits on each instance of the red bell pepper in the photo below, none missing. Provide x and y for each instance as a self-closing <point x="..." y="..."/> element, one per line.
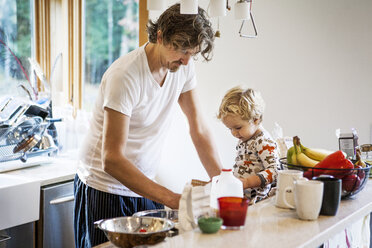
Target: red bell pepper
<point x="333" y="162"/>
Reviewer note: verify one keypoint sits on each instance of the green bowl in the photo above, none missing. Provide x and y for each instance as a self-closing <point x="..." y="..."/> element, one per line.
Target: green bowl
<point x="210" y="224"/>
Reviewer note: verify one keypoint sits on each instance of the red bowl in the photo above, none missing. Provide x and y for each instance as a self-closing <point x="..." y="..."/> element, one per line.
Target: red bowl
<point x="353" y="180"/>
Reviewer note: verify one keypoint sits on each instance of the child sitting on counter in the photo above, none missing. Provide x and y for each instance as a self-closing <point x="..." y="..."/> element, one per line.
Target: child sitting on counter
<point x="257" y="160"/>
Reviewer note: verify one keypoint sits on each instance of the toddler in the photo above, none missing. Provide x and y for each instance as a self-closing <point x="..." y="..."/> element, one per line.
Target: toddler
<point x="257" y="160"/>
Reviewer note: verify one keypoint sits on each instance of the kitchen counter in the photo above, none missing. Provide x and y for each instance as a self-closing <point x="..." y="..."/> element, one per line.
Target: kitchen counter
<point x="59" y="169"/>
<point x="269" y="226"/>
<point x="20" y="190"/>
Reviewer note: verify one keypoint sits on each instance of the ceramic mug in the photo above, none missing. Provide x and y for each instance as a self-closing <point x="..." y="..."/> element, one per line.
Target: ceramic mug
<point x="331" y="194"/>
<point x="308" y="196"/>
<point x="284" y="197"/>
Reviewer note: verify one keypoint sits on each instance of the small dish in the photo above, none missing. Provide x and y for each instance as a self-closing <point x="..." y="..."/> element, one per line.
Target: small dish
<point x="210" y="224"/>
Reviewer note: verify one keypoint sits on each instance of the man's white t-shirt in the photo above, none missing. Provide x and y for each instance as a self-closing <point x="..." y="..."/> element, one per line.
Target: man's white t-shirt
<point x="129" y="88"/>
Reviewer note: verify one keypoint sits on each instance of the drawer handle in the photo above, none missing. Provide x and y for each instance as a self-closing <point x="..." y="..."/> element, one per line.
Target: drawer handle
<point x="62" y="200"/>
<point x="4" y="238"/>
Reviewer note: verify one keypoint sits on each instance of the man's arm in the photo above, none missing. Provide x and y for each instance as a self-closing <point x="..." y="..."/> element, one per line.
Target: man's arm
<point x="200" y="134"/>
<point x="115" y="135"/>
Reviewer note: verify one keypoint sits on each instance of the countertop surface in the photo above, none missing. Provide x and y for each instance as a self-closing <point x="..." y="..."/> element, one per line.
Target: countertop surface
<point x="59" y="169"/>
<point x="20" y="189"/>
<point x="266" y="225"/>
<point x="269" y="226"/>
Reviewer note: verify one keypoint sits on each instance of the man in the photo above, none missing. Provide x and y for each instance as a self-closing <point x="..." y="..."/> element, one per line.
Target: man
<point x="137" y="96"/>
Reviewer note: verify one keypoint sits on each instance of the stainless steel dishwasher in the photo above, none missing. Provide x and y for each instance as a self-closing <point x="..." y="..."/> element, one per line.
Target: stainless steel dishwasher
<point x="18" y="236"/>
<point x="55" y="229"/>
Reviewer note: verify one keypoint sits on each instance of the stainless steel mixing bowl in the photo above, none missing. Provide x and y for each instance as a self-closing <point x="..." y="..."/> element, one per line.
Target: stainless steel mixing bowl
<point x="127" y="232"/>
<point x="170" y="214"/>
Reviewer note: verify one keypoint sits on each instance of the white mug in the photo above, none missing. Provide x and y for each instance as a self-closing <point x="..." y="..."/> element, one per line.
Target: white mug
<point x="308" y="196"/>
<point x="284" y="197"/>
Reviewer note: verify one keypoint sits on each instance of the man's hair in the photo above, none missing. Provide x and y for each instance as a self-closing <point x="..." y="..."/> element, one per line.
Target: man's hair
<point x="184" y="31"/>
<point x="247" y="104"/>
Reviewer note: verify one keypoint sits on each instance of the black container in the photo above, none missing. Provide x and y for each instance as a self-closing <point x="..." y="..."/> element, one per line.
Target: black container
<point x="331" y="194"/>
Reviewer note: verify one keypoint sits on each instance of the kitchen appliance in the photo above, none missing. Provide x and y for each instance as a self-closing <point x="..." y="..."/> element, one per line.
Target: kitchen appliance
<point x="18" y="236"/>
<point x="55" y="228"/>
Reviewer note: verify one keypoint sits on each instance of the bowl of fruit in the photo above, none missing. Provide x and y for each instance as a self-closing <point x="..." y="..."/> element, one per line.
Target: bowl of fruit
<point x="316" y="162"/>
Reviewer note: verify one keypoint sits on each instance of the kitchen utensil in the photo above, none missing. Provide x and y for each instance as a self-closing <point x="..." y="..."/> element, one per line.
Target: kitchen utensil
<point x="127" y="232"/>
<point x="331" y="194"/>
<point x="353" y="180"/>
<point x="47" y="142"/>
<point x="6" y="125"/>
<point x="26" y="144"/>
<point x="170" y="214"/>
<point x="26" y="127"/>
<point x="233" y="211"/>
<point x="209" y="224"/>
<point x="285" y="187"/>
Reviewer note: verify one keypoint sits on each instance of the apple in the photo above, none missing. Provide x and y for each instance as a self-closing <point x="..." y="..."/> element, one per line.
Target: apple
<point x="361" y="173"/>
<point x="351" y="182"/>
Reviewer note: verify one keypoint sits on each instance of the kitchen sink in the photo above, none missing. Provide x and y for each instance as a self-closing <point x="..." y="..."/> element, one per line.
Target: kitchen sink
<point x="19" y="200"/>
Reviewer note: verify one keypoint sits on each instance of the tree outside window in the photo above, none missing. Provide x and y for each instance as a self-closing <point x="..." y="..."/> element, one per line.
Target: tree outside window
<point x="111" y="30"/>
<point x="16" y="46"/>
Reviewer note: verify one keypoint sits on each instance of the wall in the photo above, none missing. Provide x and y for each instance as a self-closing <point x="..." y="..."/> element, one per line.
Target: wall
<point x="312" y="62"/>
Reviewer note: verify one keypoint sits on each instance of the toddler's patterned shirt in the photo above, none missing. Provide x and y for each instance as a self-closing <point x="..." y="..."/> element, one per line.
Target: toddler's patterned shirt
<point x="259" y="155"/>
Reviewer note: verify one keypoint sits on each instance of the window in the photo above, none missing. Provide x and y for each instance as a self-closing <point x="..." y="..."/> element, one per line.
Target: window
<point x="16" y="46"/>
<point x="111" y="30"/>
<point x="74" y="41"/>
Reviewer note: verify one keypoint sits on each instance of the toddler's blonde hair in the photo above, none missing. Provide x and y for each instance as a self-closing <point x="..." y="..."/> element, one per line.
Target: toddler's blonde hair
<point x="248" y="104"/>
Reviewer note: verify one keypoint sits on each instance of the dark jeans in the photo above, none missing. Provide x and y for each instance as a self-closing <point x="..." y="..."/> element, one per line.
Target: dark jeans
<point x="92" y="205"/>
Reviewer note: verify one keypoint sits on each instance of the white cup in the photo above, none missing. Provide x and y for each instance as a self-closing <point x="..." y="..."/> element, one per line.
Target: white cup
<point x="284" y="197"/>
<point x="308" y="198"/>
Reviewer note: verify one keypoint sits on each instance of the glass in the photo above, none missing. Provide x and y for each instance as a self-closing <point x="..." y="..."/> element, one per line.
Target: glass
<point x="111" y="30"/>
<point x="16" y="46"/>
<point x="233" y="211"/>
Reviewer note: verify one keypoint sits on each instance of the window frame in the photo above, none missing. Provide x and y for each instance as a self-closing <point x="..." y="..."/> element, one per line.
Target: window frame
<point x="59" y="30"/>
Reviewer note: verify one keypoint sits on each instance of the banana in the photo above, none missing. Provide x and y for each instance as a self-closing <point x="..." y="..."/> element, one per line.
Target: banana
<point x="302" y="159"/>
<point x="315" y="153"/>
<point x="306" y="161"/>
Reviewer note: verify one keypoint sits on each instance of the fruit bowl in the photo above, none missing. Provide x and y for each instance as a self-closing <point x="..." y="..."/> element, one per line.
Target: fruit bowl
<point x="353" y="180"/>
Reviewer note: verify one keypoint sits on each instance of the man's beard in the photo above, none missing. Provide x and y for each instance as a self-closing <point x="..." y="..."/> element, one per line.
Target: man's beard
<point x="174" y="66"/>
